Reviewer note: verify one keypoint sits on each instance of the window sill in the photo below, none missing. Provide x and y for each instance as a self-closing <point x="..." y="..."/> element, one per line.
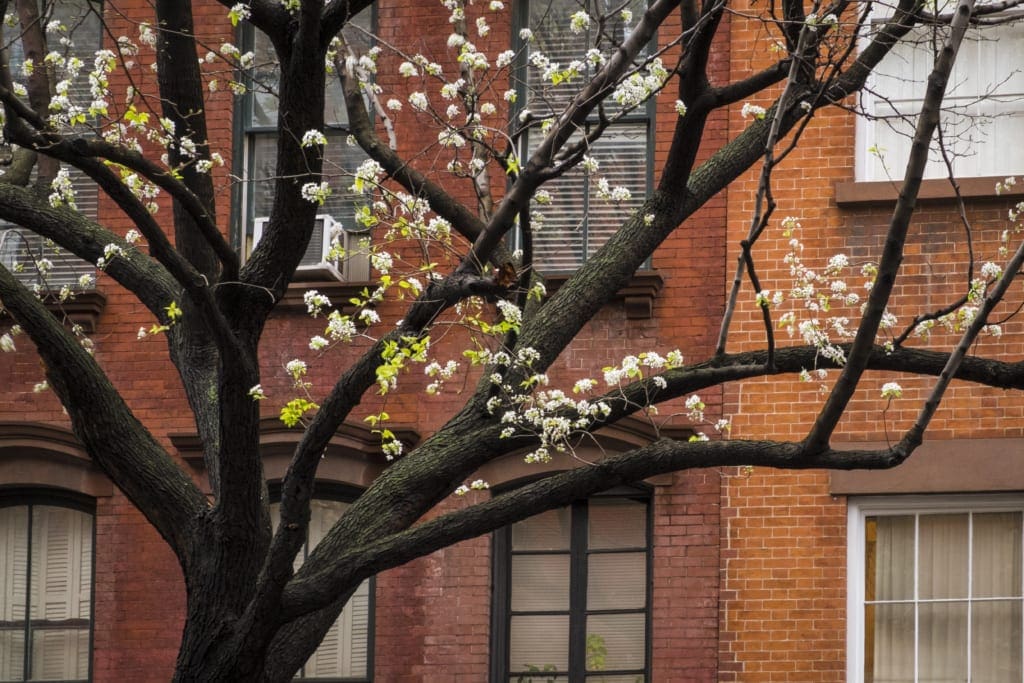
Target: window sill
<point x="637" y="296"/>
<point x="338" y="291"/>
<point x="851" y="195"/>
<point x="85" y="309"/>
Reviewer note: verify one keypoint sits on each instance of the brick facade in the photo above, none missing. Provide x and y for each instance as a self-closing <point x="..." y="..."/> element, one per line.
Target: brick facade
<point x="748" y="567"/>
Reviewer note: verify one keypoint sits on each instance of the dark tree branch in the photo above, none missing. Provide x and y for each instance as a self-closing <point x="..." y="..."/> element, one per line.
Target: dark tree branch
<point x="114" y="438"/>
<point x="309" y="590"/>
<point x="892" y="252"/>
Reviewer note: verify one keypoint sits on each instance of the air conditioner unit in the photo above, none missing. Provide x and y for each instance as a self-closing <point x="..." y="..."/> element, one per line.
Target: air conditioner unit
<point x="20" y="249"/>
<point x="315" y="264"/>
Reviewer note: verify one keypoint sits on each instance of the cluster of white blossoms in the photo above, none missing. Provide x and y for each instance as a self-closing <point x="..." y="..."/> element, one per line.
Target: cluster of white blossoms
<point x="642" y="85"/>
<point x="475" y="485"/>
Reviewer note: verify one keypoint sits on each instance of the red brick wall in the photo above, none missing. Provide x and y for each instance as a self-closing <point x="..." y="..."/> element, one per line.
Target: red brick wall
<point x="783" y="536"/>
<point x="432" y="615"/>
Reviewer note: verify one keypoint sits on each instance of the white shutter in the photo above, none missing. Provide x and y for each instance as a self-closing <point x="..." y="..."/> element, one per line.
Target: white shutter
<point x="61" y="591"/>
<point x="344" y="651"/>
<point x="13" y="576"/>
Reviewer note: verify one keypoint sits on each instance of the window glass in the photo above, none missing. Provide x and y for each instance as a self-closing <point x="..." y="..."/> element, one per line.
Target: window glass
<point x="36" y="261"/>
<point x="575" y="587"/>
<point x="46" y="579"/>
<point x="983" y="105"/>
<point x="345" y="650"/>
<point x="942" y="596"/>
<point x="585" y="208"/>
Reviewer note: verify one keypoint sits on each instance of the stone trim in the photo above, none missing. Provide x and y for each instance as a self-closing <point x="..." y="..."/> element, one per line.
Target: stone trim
<point x="33" y="454"/>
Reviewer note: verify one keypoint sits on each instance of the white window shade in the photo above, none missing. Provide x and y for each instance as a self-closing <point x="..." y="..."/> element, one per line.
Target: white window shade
<point x="982" y="121"/>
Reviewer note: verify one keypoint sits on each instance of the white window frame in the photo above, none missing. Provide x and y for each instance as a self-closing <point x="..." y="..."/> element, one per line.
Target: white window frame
<point x="858" y="509"/>
<point x="865" y="137"/>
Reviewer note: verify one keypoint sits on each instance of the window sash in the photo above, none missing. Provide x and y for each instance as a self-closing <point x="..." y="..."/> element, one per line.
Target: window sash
<point x="574" y="651"/>
<point x="975" y="123"/>
<point x="918" y="623"/>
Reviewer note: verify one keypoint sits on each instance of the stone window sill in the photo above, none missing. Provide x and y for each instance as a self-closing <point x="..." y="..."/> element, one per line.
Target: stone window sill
<point x="637" y="296"/>
<point x="851" y="195"/>
<point x="85" y="309"/>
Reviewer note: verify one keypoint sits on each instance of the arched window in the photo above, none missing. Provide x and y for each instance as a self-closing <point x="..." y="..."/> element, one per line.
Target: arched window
<point x="46" y="587"/>
<point x="346" y="652"/>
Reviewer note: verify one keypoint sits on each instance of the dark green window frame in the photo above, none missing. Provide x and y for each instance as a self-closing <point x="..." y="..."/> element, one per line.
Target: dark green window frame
<point x="584" y="650"/>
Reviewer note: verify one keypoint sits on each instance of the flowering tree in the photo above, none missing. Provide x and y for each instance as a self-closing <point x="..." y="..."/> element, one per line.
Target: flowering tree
<point x="440" y="250"/>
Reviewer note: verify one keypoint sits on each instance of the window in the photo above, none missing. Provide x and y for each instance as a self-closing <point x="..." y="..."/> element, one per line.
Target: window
<point x="983" y="107"/>
<point x="36" y="261"/>
<point x="344" y="654"/>
<point x="577" y="222"/>
<point x="259" y="154"/>
<point x="571" y="594"/>
<point x="46" y="579"/>
<point x="935" y="589"/>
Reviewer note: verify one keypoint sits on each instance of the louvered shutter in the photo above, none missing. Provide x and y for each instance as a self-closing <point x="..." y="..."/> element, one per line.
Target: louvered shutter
<point x="13" y="579"/>
<point x="61" y="593"/>
<point x="344" y="651"/>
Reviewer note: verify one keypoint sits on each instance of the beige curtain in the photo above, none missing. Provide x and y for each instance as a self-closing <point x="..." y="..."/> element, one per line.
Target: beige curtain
<point x="965" y="618"/>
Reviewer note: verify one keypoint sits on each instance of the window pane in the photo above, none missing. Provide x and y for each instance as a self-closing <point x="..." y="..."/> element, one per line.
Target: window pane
<point x="540" y="582"/>
<point x="616" y="523"/>
<point x="577" y="222"/>
<point x="942" y="641"/>
<point x="628" y="678"/>
<point x="538" y="678"/>
<point x="60" y="654"/>
<point x="546" y="531"/>
<point x="340" y="161"/>
<point x="12" y="655"/>
<point x="268" y="74"/>
<point x="943" y="552"/>
<point x="616" y="581"/>
<point x="996" y="641"/>
<point x="889" y="644"/>
<point x="615" y="641"/>
<point x="889" y="558"/>
<point x="539" y="642"/>
<point x="996" y="539"/>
